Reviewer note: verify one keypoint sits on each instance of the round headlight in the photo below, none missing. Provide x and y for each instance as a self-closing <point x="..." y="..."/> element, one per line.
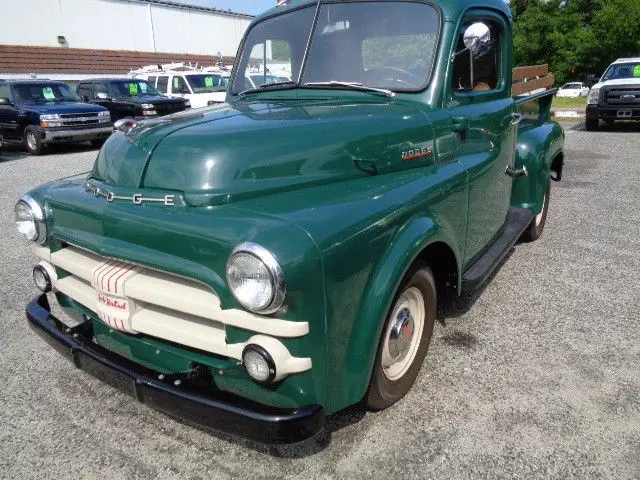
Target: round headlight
<point x="255" y="278"/>
<point x="30" y="219"/>
<point x="258" y="363"/>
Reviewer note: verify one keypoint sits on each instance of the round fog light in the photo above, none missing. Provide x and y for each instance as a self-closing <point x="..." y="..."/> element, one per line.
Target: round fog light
<point x="258" y="363"/>
<point x="41" y="278"/>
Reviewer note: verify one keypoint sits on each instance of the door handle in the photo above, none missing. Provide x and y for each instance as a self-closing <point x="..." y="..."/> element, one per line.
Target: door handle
<point x="459" y="124"/>
<point x="516" y="172"/>
<point x="516" y="118"/>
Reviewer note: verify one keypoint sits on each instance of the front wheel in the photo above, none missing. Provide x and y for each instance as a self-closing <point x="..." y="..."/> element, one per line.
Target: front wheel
<point x="405" y="340"/>
<point x="535" y="228"/>
<point x="33" y="141"/>
<point x="592" y="123"/>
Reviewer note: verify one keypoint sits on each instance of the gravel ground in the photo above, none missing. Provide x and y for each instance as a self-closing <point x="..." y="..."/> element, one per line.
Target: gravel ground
<point x="536" y="376"/>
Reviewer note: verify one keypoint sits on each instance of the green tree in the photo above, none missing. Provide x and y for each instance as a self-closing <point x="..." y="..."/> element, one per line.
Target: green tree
<point x="575" y="37"/>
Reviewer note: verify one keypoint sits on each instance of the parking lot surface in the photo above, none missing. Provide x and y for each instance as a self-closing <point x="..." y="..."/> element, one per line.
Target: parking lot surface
<point x="537" y="375"/>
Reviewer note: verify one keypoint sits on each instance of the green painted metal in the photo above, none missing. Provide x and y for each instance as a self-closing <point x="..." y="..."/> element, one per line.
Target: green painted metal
<point x="318" y="178"/>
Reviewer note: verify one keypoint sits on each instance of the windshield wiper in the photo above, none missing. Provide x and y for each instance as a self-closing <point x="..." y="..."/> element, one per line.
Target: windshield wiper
<point x="351" y="86"/>
<point x="289" y="84"/>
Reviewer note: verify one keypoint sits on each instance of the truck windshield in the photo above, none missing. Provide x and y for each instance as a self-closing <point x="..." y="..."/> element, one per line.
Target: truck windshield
<point x="45" y="93"/>
<point x="207" y="83"/>
<point x="378" y="44"/>
<point x="622" y="71"/>
<point x="133" y="88"/>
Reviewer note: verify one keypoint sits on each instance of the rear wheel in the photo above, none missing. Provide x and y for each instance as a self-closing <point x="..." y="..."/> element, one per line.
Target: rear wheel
<point x="405" y="340"/>
<point x="33" y="141"/>
<point x="535" y="228"/>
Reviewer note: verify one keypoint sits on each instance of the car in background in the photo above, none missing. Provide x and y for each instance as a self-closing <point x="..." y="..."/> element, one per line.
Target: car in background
<point x="617" y="95"/>
<point x="129" y="98"/>
<point x="199" y="87"/>
<point x="36" y="113"/>
<point x="573" y="90"/>
<point x="254" y="80"/>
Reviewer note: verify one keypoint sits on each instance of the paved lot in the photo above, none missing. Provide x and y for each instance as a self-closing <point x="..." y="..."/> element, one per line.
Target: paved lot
<point x="538" y="376"/>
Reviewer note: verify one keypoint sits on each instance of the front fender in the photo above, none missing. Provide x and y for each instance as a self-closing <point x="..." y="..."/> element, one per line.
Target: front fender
<point x="536" y="150"/>
<point x="384" y="281"/>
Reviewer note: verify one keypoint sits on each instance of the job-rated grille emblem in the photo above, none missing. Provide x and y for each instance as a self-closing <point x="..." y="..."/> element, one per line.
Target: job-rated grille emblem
<point x="136" y="199"/>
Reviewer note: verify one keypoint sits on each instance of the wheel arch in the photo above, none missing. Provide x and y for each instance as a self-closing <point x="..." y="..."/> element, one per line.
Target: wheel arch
<point x="540" y="150"/>
<point x="421" y="240"/>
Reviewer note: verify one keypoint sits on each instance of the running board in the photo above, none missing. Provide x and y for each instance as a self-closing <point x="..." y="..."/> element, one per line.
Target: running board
<point x="517" y="221"/>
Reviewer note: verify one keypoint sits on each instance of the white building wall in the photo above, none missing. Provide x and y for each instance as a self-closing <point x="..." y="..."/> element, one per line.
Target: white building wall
<point x="119" y="25"/>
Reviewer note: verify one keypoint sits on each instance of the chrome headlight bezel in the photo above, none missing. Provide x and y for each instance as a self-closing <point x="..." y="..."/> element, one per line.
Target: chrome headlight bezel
<point x="270" y="263"/>
<point x="594" y="96"/>
<point x="48" y="117"/>
<point x="38" y="219"/>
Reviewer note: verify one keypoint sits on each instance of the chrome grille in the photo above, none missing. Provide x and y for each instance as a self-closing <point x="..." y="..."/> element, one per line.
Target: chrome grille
<point x="622" y="96"/>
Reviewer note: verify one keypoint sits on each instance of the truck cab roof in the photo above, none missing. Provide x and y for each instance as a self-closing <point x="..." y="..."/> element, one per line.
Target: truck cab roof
<point x="450" y="9"/>
<point x="627" y="60"/>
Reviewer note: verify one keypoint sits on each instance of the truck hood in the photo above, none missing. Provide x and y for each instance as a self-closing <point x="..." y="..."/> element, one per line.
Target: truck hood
<point x="63" y="107"/>
<point x="619" y="81"/>
<point x="227" y="153"/>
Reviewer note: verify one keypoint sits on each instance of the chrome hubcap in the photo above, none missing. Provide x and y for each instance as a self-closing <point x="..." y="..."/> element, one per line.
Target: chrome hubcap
<point x="31" y="141"/>
<point x="403" y="334"/>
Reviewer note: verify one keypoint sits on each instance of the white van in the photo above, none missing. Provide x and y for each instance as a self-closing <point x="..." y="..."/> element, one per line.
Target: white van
<point x="200" y="87"/>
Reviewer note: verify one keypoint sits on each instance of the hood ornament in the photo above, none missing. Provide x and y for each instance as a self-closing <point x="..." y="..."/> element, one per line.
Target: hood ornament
<point x="125" y="125"/>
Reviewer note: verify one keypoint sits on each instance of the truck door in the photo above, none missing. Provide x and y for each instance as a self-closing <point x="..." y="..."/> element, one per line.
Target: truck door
<point x="483" y="118"/>
<point x="8" y="115"/>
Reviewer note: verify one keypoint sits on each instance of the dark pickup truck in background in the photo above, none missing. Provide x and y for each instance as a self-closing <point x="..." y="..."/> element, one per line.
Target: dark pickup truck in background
<point x="129" y="98"/>
<point x="36" y="113"/>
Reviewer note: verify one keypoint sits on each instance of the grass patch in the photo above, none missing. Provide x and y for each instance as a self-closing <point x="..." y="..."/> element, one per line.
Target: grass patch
<point x="580" y="102"/>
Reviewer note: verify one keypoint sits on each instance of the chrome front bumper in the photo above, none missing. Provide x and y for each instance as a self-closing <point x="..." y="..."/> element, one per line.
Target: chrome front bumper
<point x="76" y="135"/>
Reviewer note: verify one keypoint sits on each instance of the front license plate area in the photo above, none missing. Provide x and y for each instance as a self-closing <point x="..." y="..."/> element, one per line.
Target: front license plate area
<point x="625" y="113"/>
<point x="122" y="382"/>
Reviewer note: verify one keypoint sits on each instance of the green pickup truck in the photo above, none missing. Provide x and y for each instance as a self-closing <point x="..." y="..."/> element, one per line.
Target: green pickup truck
<point x="256" y="266"/>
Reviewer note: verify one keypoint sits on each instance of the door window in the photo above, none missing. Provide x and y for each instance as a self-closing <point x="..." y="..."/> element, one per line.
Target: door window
<point x="5" y="92"/>
<point x="179" y="85"/>
<point x="84" y="90"/>
<point x="163" y="83"/>
<point x="101" y="91"/>
<point x="478" y="70"/>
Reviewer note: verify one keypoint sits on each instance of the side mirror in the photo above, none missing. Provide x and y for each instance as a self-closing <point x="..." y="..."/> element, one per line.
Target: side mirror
<point x="476" y="38"/>
<point x="85" y="98"/>
<point x="5" y="101"/>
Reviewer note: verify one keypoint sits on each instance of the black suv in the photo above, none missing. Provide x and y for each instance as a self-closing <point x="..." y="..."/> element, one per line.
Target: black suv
<point x="129" y="98"/>
<point x="36" y="113"/>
